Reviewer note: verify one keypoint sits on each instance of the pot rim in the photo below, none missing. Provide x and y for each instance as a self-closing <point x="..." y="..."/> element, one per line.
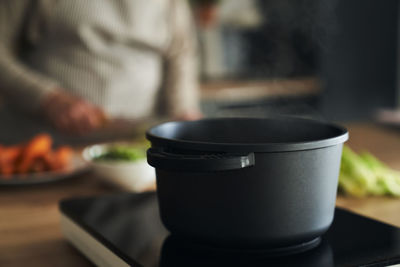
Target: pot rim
<point x="160" y="141"/>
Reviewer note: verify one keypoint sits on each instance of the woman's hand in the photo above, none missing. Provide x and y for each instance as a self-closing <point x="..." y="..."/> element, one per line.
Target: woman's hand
<point x="189" y="116"/>
<point x="71" y="114"/>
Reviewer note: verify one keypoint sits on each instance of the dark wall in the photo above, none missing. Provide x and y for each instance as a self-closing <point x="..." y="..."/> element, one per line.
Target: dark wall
<point x="358" y="62"/>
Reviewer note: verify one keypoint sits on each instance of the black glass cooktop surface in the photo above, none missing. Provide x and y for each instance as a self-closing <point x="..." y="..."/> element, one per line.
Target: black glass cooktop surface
<point x="129" y="226"/>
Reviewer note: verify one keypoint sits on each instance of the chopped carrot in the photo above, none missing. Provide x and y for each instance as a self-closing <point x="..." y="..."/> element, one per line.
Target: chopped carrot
<point x="36" y="155"/>
<point x="37" y="147"/>
<point x="48" y="161"/>
<point x="38" y="165"/>
<point x="62" y="156"/>
<point x="9" y="157"/>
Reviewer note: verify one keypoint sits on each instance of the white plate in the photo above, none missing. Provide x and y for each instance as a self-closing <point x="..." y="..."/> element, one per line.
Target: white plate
<point x="76" y="167"/>
<point x="136" y="176"/>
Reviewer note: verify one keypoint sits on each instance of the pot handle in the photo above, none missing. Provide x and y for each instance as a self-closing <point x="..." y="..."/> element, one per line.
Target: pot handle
<point x="160" y="159"/>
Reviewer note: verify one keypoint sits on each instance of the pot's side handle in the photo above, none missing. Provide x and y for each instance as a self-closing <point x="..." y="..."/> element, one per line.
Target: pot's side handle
<point x="161" y="159"/>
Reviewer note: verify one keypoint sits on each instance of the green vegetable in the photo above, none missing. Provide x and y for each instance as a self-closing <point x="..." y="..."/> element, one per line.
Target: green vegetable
<point x="122" y="153"/>
<point x="364" y="174"/>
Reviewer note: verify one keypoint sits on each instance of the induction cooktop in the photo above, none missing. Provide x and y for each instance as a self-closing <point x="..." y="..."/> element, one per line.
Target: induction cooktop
<point x="125" y="230"/>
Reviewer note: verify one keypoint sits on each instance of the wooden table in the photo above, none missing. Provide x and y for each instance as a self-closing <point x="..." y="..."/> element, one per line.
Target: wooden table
<point x="29" y="217"/>
<point x="29" y="223"/>
<point x="385" y="144"/>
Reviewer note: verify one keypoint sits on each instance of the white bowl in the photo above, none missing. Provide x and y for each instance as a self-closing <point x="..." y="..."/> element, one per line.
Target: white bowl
<point x="134" y="176"/>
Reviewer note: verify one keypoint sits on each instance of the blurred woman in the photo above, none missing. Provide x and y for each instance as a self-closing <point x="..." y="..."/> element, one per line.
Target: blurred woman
<point x="75" y="62"/>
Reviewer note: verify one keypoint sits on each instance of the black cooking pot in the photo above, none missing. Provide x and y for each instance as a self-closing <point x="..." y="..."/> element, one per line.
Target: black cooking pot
<point x="246" y="182"/>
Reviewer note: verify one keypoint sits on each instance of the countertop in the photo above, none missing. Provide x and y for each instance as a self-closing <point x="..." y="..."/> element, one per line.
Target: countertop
<point x="29" y="217"/>
<point x="385" y="144"/>
<point x="235" y="91"/>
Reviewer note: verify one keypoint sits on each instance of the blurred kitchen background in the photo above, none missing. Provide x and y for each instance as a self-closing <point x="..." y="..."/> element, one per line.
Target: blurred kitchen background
<point x="333" y="60"/>
<point x="328" y="59"/>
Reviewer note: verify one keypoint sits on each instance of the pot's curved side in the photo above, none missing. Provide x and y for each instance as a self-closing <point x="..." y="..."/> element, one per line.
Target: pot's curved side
<point x="284" y="199"/>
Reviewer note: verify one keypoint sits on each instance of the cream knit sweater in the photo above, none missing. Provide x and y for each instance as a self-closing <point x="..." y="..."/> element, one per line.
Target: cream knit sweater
<point x="130" y="57"/>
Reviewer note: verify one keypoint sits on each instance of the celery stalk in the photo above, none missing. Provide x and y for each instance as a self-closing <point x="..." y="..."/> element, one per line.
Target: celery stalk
<point x="364" y="174"/>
